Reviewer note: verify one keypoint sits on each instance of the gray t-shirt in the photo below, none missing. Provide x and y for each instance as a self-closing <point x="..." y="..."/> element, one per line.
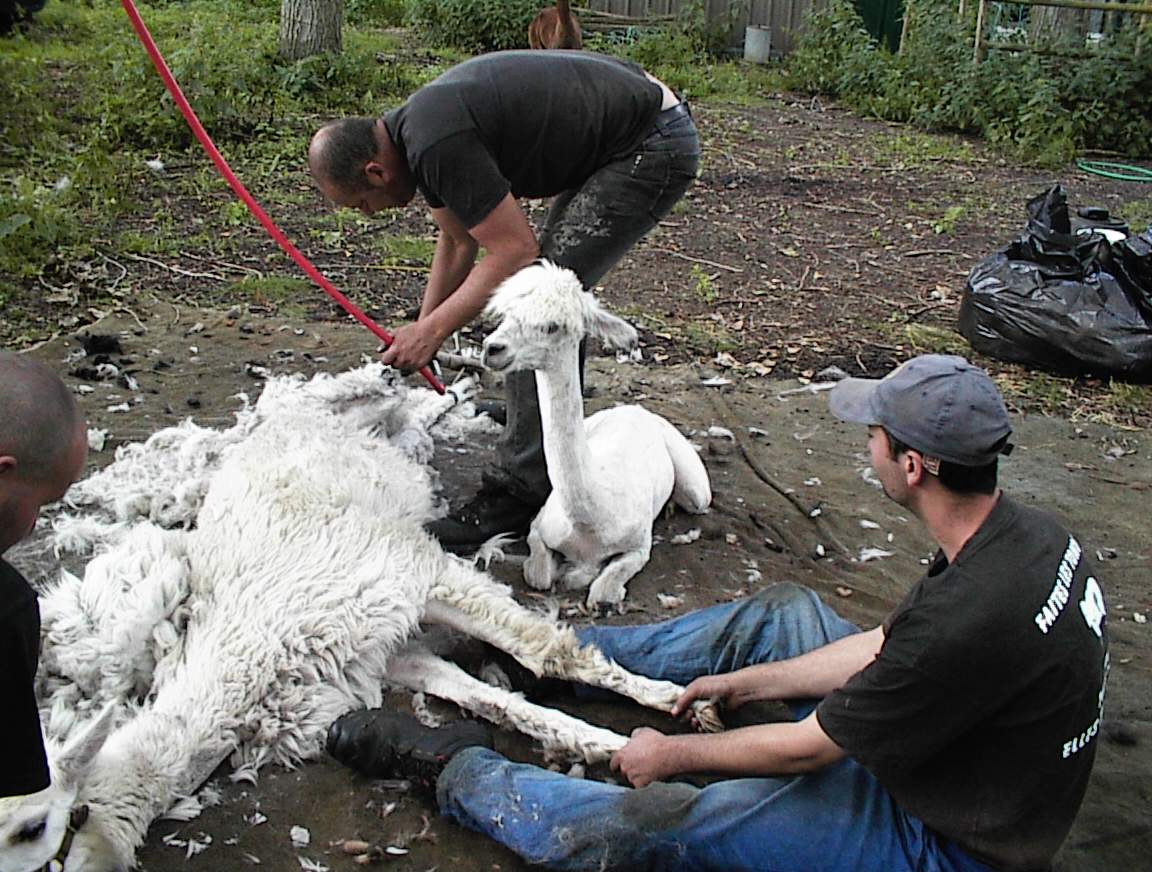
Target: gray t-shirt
<point x="533" y="123"/>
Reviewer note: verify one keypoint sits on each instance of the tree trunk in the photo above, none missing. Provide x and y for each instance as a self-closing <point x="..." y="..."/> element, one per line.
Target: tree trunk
<point x="1053" y="24"/>
<point x="309" y="27"/>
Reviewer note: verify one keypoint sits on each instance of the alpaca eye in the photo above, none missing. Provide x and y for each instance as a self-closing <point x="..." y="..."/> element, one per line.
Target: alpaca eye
<point x="30" y="832"/>
<point x="552" y="327"/>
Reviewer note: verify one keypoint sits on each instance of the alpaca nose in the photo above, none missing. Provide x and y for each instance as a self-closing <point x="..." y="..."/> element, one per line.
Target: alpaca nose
<point x="494" y="349"/>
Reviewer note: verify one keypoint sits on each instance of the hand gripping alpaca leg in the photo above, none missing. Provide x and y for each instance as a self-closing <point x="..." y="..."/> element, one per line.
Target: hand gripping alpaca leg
<point x="470" y="602"/>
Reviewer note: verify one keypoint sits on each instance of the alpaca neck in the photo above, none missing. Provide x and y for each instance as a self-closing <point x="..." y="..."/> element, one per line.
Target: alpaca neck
<point x="565" y="441"/>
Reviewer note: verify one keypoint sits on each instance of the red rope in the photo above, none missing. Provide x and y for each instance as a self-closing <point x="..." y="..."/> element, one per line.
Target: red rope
<point x="241" y="192"/>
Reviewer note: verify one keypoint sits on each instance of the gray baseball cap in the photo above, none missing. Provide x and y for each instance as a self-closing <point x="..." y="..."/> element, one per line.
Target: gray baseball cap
<point x="939" y="404"/>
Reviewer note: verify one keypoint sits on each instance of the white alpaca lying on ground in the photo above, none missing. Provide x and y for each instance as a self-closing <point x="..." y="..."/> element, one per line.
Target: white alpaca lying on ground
<point x="291" y="587"/>
<point x="611" y="474"/>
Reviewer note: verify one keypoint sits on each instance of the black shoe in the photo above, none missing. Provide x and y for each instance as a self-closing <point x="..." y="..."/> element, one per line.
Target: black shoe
<point x="489" y="513"/>
<point x="384" y="744"/>
<point x="497" y="410"/>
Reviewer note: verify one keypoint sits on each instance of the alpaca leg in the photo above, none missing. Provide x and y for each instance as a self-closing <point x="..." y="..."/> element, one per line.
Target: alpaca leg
<point x="417" y="668"/>
<point x="484" y="611"/>
<point x="608" y="588"/>
<point x="577" y="576"/>
<point x="540" y="567"/>
<point x="692" y="490"/>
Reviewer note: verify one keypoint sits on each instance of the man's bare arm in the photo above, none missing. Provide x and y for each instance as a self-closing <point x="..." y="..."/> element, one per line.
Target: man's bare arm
<point x="451" y="262"/>
<point x="766" y="749"/>
<point x="809" y="676"/>
<point x="510" y="243"/>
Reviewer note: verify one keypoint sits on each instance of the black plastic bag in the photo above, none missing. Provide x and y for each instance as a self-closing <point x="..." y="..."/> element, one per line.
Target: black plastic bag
<point x="1062" y="301"/>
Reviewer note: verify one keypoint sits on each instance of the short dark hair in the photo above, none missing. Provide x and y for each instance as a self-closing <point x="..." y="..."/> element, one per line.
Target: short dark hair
<point x="954" y="476"/>
<point x="347" y="145"/>
<point x="38" y="416"/>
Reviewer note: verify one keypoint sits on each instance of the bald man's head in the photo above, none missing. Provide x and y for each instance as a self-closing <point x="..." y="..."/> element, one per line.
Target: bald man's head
<point x="340" y="150"/>
<point x="38" y="416"/>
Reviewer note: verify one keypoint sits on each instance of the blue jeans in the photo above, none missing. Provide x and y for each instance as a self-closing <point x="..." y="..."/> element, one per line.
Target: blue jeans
<point x="838" y="819"/>
<point x="588" y="230"/>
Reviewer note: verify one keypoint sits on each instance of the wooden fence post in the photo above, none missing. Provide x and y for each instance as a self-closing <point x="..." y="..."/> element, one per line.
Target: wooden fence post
<point x="978" y="42"/>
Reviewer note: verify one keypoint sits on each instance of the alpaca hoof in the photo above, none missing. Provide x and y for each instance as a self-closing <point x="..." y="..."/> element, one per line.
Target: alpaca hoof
<point x="707" y="717"/>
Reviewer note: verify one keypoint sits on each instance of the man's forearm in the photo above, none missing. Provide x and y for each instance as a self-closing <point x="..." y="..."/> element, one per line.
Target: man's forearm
<point x="451" y="263"/>
<point x="460" y="307"/>
<point x="761" y="750"/>
<point x="809" y="676"/>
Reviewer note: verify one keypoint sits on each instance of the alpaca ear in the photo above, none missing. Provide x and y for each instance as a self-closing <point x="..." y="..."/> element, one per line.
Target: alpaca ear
<point x="613" y="331"/>
<point x="75" y="761"/>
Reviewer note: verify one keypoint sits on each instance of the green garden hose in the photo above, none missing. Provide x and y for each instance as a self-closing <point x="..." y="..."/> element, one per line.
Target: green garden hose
<point x="1123" y="172"/>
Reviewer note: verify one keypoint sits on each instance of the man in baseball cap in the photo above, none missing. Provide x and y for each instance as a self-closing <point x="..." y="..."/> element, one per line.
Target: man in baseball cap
<point x="956" y="736"/>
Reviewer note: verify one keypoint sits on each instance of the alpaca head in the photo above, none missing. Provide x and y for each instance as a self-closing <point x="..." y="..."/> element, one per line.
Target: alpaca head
<point x="33" y="827"/>
<point x="544" y="312"/>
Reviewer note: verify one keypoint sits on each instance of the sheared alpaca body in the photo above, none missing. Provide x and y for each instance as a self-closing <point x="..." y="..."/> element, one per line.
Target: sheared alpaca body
<point x="611" y="473"/>
<point x="296" y="592"/>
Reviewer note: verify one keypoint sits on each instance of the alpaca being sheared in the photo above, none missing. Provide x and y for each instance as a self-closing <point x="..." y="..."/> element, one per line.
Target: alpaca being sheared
<point x="288" y="584"/>
<point x="612" y="473"/>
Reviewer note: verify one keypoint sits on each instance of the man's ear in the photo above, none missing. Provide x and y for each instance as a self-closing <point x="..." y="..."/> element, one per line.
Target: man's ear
<point x="376" y="174"/>
<point x="7" y="463"/>
<point x="914" y="470"/>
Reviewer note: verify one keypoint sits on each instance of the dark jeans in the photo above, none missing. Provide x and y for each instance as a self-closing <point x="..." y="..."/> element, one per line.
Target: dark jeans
<point x="588" y="230"/>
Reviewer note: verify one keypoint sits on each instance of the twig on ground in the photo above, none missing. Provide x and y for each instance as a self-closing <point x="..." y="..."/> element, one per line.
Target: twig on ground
<point x="829" y="207"/>
<point x="123" y="271"/>
<point x="239" y="267"/>
<point x="723" y="266"/>
<point x="176" y="269"/>
<point x="921" y="252"/>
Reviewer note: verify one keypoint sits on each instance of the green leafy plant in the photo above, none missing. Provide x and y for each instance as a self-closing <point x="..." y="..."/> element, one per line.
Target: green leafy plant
<point x="1040" y="107"/>
<point x="476" y="25"/>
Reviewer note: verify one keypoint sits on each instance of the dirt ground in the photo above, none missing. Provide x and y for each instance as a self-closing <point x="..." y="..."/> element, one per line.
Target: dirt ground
<point x="812" y="238"/>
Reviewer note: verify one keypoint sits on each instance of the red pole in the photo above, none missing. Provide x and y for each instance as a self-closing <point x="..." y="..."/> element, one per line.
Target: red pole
<point x="242" y="192"/>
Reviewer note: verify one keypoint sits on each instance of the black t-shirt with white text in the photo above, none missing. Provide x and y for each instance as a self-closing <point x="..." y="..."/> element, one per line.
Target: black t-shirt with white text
<point x="25" y="768"/>
<point x="533" y="123"/>
<point x="980" y="714"/>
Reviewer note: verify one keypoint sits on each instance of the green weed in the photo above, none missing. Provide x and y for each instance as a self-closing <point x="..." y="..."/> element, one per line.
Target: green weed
<point x="408" y="250"/>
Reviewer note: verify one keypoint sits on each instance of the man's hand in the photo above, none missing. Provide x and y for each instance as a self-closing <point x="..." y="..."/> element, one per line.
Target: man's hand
<point x="644" y="759"/>
<point x="720" y="688"/>
<point x="413" y="346"/>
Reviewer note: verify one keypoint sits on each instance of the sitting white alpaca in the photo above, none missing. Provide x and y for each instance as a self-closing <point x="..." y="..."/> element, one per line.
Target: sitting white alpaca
<point x="612" y="473"/>
<point x="291" y="588"/>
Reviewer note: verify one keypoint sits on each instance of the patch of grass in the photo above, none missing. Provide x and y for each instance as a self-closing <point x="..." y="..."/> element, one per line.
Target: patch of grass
<point x="910" y="148"/>
<point x="1138" y="214"/>
<point x="924" y="339"/>
<point x="707" y="338"/>
<point x="703" y="285"/>
<point x="284" y="294"/>
<point x="408" y="250"/>
<point x="946" y="223"/>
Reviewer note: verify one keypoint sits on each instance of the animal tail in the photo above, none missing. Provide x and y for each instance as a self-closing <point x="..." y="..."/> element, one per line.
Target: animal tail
<point x="692" y="490"/>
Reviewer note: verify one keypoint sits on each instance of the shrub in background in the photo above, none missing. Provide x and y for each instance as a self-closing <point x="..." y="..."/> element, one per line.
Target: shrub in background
<point x="1042" y="108"/>
<point x="476" y="25"/>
